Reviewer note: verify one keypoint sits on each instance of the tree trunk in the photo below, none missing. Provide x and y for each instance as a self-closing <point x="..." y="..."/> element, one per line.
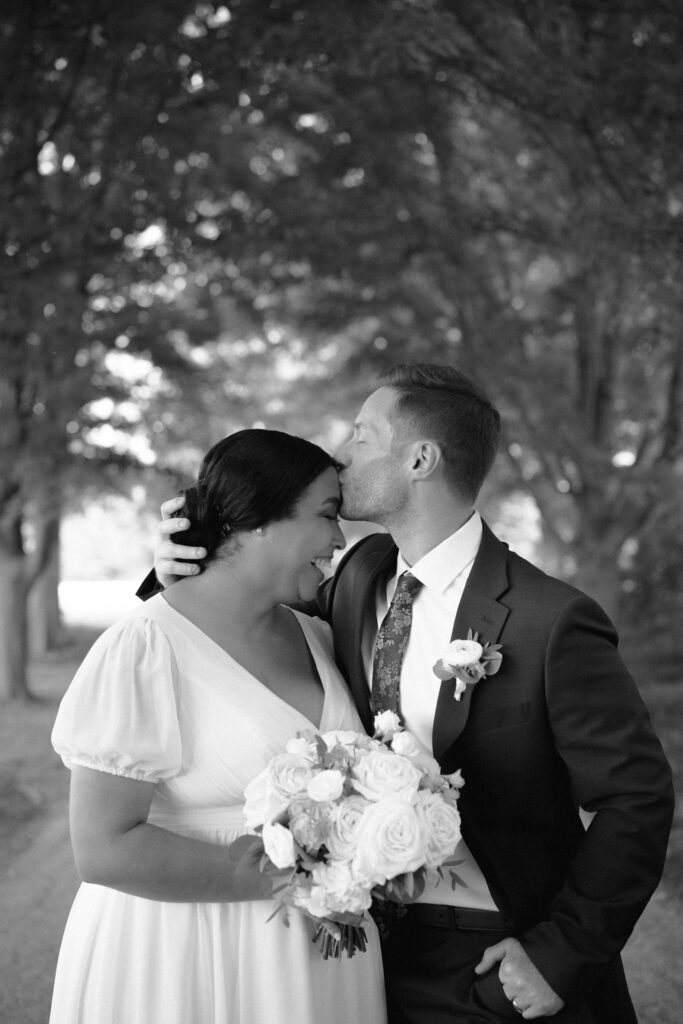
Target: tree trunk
<point x="44" y="616"/>
<point x="592" y="565"/>
<point x="44" y="619"/>
<point x="13" y="681"/>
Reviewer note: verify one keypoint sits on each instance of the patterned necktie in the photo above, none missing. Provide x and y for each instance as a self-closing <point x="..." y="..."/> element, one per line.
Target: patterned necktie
<point x="392" y="640"/>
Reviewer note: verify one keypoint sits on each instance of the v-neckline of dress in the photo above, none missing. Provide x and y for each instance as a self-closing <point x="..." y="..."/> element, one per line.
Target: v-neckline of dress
<point x="309" y="639"/>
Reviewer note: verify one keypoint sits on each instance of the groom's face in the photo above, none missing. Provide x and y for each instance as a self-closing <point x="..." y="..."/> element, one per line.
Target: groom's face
<point x="372" y="478"/>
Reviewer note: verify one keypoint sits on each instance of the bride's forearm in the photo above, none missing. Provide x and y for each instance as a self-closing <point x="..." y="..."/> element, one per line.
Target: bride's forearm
<point x="157" y="864"/>
<point x="114" y="845"/>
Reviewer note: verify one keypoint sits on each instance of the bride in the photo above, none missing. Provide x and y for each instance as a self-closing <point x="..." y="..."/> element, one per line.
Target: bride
<point x="174" y="710"/>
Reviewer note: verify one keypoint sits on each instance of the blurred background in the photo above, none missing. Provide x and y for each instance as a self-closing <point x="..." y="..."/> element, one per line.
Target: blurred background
<point x="215" y="216"/>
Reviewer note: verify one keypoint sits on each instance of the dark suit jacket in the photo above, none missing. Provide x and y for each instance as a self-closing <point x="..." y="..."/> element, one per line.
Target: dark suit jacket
<point x="560" y="726"/>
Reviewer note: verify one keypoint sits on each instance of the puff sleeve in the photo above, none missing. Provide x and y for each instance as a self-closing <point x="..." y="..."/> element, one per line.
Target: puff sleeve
<point x="119" y="714"/>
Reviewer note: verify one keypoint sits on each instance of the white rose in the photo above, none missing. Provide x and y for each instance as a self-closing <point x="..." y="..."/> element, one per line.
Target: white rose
<point x="342" y="835"/>
<point x="462" y="653"/>
<point x="290" y="774"/>
<point x="344" y="892"/>
<point x="341" y="737"/>
<point x="380" y="773"/>
<point x="441" y="824"/>
<point x="262" y="801"/>
<point x="279" y="845"/>
<point x="268" y="795"/>
<point x="326" y="785"/>
<point x="304" y="747"/>
<point x="309" y="897"/>
<point x="391" y="842"/>
<point x="407" y="745"/>
<point x="455" y="778"/>
<point x="386" y="723"/>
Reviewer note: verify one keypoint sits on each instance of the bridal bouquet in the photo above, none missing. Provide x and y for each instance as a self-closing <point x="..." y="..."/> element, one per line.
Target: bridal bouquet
<point x="354" y="818"/>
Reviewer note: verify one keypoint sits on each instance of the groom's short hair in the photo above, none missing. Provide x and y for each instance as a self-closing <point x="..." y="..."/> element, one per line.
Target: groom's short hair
<point x="447" y="406"/>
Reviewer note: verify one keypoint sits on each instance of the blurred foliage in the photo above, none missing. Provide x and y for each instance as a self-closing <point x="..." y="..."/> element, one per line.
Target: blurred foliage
<point x="213" y="215"/>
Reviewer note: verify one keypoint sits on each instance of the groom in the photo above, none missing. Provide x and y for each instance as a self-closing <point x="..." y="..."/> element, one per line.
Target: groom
<point x="567" y="802"/>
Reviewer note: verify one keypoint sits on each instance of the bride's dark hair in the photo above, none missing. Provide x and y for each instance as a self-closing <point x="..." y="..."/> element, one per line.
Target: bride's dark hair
<point x="247" y="480"/>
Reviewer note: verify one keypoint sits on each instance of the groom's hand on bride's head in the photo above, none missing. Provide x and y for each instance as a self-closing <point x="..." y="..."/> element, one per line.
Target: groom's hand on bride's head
<point x="172" y="560"/>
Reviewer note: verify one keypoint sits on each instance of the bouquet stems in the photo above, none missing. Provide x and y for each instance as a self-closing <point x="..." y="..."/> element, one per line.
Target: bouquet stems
<point x="350" y="939"/>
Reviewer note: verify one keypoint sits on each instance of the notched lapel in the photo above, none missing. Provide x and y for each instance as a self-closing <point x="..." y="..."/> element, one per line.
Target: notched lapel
<point x="481" y="611"/>
<point x="353" y="602"/>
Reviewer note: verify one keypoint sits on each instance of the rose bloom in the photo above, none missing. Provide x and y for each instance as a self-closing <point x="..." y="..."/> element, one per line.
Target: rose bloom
<point x="326" y="785"/>
<point x="380" y="773"/>
<point x="268" y="795"/>
<point x="455" y="778"/>
<point x="387" y="723"/>
<point x="344" y="892"/>
<point x="441" y="823"/>
<point x="391" y="842"/>
<point x="290" y="773"/>
<point x="342" y="833"/>
<point x="262" y="802"/>
<point x="407" y="745"/>
<point x="462" y="653"/>
<point x="304" y="747"/>
<point x="341" y="738"/>
<point x="309" y="897"/>
<point x="279" y="845"/>
<point x="309" y="822"/>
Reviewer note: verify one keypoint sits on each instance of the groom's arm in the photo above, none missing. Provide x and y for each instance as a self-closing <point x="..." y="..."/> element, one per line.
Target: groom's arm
<point x="617" y="769"/>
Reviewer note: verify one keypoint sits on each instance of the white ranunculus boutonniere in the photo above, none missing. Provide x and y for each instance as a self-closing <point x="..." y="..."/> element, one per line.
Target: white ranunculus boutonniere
<point x="468" y="661"/>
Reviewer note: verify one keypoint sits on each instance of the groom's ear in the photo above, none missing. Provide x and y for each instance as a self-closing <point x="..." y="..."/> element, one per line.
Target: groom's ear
<point x="425" y="457"/>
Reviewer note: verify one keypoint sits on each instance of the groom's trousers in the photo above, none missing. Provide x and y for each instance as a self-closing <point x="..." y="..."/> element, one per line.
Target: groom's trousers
<point x="429" y="960"/>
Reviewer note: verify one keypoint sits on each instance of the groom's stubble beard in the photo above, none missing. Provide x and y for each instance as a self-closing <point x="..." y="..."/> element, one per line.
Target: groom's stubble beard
<point x="376" y="497"/>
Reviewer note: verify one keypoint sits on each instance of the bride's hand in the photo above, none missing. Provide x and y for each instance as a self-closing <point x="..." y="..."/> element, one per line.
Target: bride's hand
<point x="171" y="560"/>
<point x="255" y="880"/>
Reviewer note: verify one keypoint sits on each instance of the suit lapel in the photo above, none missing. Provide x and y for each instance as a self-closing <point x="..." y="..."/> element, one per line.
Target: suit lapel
<point x="482" y="612"/>
<point x="353" y="606"/>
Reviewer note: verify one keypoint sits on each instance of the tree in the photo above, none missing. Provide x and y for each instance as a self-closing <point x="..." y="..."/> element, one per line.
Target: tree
<point x="72" y="221"/>
<point x="279" y="198"/>
<point x="501" y="187"/>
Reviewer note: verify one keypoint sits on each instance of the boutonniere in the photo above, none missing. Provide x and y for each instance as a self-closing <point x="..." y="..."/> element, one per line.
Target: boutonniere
<point x="468" y="661"/>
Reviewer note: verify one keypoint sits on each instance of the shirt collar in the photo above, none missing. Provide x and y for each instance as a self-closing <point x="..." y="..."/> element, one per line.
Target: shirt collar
<point x="444" y="563"/>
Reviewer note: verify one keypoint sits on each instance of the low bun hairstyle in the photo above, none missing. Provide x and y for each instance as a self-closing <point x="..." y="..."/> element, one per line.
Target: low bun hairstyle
<point x="247" y="480"/>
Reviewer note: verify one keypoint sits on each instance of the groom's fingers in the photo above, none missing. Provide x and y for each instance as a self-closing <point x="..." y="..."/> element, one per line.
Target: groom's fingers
<point x="171" y="506"/>
<point x="492" y="955"/>
<point x="523" y="983"/>
<point x="168" y="551"/>
<point x="167" y="527"/>
<point x="168" y="564"/>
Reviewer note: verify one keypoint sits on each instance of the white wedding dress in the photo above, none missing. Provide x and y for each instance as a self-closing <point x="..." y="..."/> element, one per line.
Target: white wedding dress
<point x="156" y="699"/>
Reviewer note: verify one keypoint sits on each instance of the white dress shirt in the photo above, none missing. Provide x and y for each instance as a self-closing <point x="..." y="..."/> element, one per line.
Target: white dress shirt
<point x="443" y="571"/>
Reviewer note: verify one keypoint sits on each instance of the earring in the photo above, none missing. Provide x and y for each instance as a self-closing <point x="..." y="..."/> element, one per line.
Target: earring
<point x="259" y="530"/>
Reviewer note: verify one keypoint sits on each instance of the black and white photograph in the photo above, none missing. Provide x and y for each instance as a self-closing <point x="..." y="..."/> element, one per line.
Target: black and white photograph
<point x="341" y="543"/>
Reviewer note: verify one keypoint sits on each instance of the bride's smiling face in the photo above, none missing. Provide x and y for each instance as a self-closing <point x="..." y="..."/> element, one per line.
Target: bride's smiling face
<point x="304" y="544"/>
